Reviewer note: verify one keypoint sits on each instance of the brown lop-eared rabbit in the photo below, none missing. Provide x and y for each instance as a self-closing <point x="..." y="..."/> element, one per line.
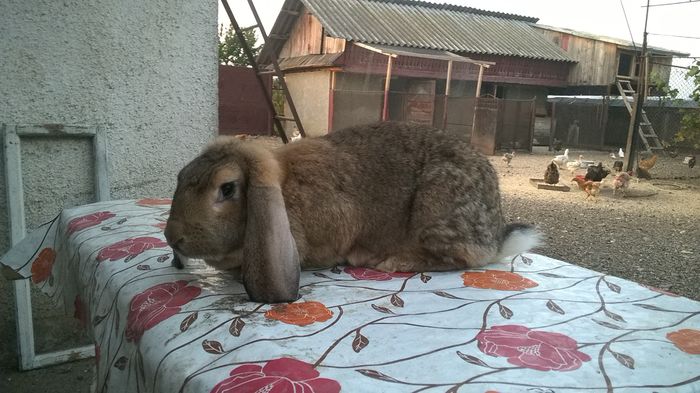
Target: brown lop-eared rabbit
<point x="388" y="196"/>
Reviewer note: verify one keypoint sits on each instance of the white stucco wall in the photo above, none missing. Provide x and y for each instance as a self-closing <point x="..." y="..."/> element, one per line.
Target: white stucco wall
<point x="144" y="71"/>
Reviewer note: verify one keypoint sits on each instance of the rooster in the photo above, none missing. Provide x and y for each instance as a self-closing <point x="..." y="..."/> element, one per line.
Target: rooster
<point x="591" y="188"/>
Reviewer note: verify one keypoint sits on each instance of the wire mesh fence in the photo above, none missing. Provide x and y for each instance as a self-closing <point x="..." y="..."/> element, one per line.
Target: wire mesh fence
<point x="602" y="122"/>
<point x="670" y="106"/>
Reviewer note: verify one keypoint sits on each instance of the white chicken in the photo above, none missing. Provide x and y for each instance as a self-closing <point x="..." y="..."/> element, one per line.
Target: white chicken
<point x="620" y="153"/>
<point x="562" y="159"/>
<point x="572" y="166"/>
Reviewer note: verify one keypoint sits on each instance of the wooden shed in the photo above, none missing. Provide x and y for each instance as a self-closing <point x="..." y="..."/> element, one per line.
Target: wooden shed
<point x="600" y="60"/>
<point x="357" y="61"/>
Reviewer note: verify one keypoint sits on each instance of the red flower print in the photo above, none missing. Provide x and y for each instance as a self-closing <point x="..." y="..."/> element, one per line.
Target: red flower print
<point x="534" y="349"/>
<point x="149" y="202"/>
<point x="300" y="314"/>
<point x="687" y="340"/>
<point x="156" y="304"/>
<point x="276" y="376"/>
<point x="160" y="225"/>
<point x="497" y="279"/>
<point x="361" y="273"/>
<point x="80" y="312"/>
<point x="42" y="265"/>
<point x="80" y="223"/>
<point x="129" y="248"/>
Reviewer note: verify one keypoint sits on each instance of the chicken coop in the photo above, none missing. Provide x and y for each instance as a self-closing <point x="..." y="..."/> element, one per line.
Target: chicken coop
<point x="360" y="69"/>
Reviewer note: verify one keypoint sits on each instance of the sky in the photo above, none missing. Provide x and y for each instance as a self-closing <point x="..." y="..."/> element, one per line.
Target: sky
<point x="603" y="17"/>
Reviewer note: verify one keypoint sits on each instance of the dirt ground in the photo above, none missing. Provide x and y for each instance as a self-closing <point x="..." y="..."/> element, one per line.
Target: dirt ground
<point x="652" y="236"/>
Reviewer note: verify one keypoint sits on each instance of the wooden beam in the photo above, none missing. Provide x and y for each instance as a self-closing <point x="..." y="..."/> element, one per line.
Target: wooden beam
<point x="387" y="85"/>
<point x="478" y="81"/>
<point x="99" y="148"/>
<point x="331" y="101"/>
<point x="14" y="189"/>
<point x="447" y="94"/>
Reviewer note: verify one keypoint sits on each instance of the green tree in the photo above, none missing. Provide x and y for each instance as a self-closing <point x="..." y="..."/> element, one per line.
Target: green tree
<point x="230" y="48"/>
<point x="690" y="123"/>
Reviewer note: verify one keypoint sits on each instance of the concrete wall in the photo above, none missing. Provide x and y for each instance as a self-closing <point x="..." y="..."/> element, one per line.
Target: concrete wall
<point x="145" y="72"/>
<point x="310" y="92"/>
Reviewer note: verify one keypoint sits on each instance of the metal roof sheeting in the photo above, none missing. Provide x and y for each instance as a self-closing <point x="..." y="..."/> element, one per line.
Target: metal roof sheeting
<point x="309" y="61"/>
<point x="421" y="24"/>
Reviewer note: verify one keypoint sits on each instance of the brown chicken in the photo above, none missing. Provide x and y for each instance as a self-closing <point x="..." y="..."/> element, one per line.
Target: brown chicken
<point x="622" y="182"/>
<point x="648" y="163"/>
<point x="617" y="166"/>
<point x="591" y="188"/>
<point x="551" y="175"/>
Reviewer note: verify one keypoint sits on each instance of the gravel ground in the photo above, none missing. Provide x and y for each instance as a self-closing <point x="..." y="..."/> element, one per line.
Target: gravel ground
<point x="651" y="237"/>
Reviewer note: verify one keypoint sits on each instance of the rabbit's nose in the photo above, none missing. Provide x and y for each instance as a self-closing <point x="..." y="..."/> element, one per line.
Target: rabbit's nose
<point x="172" y="235"/>
<point x="175" y="245"/>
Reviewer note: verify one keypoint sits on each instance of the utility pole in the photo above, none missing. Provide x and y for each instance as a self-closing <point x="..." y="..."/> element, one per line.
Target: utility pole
<point x="633" y="132"/>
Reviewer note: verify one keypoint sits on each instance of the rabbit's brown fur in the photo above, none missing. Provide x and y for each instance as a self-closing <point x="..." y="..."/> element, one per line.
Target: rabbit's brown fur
<point x="392" y="196"/>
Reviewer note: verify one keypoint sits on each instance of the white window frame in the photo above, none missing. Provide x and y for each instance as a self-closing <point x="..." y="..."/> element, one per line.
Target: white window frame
<point x="12" y="135"/>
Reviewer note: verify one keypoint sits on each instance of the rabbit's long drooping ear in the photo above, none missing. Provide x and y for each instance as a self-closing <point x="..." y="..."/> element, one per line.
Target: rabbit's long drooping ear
<point x="271" y="266"/>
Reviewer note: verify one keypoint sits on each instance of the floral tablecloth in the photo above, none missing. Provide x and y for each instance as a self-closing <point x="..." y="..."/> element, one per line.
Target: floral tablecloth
<point x="532" y="325"/>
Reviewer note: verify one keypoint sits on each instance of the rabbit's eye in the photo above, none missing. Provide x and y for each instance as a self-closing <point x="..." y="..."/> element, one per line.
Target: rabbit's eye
<point x="227" y="191"/>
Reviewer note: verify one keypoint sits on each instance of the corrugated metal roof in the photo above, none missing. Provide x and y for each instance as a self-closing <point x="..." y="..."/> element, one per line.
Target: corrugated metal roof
<point x="422" y="53"/>
<point x="433" y="26"/>
<point x="309" y="61"/>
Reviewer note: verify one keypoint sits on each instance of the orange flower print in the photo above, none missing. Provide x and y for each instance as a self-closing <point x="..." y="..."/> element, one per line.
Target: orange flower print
<point x="42" y="265"/>
<point x="300" y="314"/>
<point x="687" y="340"/>
<point x="497" y="279"/>
<point x="149" y="202"/>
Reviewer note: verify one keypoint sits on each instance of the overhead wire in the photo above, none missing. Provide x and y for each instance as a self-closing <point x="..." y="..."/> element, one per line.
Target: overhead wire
<point x="677" y="36"/>
<point x="672" y="3"/>
<point x="628" y="25"/>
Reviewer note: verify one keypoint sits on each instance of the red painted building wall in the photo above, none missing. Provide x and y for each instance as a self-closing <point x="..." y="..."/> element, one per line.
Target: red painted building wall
<point x="242" y="106"/>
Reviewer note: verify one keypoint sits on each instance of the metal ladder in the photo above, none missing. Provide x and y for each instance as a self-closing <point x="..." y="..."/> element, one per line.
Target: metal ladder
<point x="259" y="72"/>
<point x="646" y="131"/>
